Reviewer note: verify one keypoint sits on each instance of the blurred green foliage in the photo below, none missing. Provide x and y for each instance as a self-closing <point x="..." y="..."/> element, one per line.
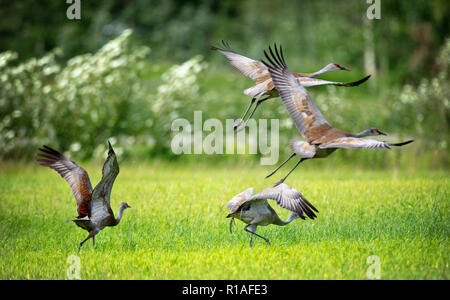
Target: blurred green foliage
<point x="406" y="39"/>
<point x="80" y="103"/>
<point x="52" y="92"/>
<point x="93" y="97"/>
<point x="426" y="109"/>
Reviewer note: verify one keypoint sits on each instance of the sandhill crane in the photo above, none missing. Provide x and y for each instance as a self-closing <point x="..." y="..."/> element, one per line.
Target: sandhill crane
<point x="93" y="206"/>
<point x="321" y="138"/>
<point x="258" y="72"/>
<point x="254" y="210"/>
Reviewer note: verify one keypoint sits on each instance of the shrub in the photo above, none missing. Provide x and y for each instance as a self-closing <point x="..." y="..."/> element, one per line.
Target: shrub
<point x="426" y="109"/>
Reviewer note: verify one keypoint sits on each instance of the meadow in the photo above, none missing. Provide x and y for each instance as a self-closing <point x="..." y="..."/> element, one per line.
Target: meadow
<point x="128" y="69"/>
<point x="177" y="228"/>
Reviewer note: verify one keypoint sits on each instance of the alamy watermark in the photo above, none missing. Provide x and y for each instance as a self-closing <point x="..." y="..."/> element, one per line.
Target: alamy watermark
<point x="74" y="270"/>
<point x="374" y="9"/>
<point x="374" y="270"/>
<point x="74" y="9"/>
<point x="214" y="137"/>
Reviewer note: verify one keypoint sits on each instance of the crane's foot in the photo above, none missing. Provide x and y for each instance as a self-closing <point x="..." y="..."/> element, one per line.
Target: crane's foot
<point x="241" y="127"/>
<point x="81" y="244"/>
<point x="237" y="124"/>
<point x="251" y="242"/>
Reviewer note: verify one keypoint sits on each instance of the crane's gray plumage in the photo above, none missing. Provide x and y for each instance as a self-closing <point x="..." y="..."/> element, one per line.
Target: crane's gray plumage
<point x="264" y="86"/>
<point x="354" y="143"/>
<point x="100" y="202"/>
<point x="299" y="104"/>
<point x="254" y="209"/>
<point x="94" y="209"/>
<point x="321" y="138"/>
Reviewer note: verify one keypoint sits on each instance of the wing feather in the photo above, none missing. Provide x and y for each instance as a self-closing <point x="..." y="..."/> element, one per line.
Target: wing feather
<point x="251" y="68"/>
<point x="100" y="203"/>
<point x="295" y="97"/>
<point x="237" y="201"/>
<point x="288" y="198"/>
<point x="354" y="143"/>
<point x="308" y="82"/>
<point x="76" y="176"/>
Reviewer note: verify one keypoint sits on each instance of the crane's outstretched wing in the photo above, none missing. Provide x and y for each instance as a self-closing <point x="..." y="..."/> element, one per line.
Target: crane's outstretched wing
<point x="296" y="99"/>
<point x="308" y="81"/>
<point x="75" y="176"/>
<point x="354" y="143"/>
<point x="251" y="68"/>
<point x="288" y="198"/>
<point x="100" y="203"/>
<point x="239" y="200"/>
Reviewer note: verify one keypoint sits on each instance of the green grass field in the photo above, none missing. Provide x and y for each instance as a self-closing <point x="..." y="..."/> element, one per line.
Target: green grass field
<point x="177" y="227"/>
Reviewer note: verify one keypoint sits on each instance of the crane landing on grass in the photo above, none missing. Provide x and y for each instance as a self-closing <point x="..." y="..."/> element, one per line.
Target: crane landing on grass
<point x="256" y="211"/>
<point x="93" y="206"/>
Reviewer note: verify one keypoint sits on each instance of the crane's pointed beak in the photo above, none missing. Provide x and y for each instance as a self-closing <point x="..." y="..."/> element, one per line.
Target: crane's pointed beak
<point x="381" y="133"/>
<point x="344" y="68"/>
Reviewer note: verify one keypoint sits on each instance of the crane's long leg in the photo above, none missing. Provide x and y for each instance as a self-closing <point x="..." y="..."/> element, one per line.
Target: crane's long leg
<point x="235" y="126"/>
<point x="284" y="178"/>
<point x="91" y="235"/>
<point x="254" y="233"/>
<point x="284" y="162"/>
<point x="81" y="244"/>
<point x="93" y="241"/>
<point x="231" y="223"/>
<point x="253" y="111"/>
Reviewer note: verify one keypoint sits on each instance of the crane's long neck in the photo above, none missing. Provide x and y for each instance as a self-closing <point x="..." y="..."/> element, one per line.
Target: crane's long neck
<point x="291" y="218"/>
<point x="362" y="133"/>
<point x="120" y="214"/>
<point x="324" y="70"/>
